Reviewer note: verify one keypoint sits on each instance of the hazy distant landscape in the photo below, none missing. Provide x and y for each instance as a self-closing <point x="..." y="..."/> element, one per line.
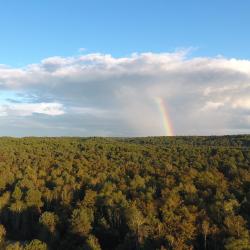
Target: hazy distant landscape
<point x="125" y="193"/>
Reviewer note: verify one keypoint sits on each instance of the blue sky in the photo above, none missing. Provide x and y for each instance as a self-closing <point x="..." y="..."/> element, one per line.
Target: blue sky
<point x="81" y="68"/>
<point x="32" y="30"/>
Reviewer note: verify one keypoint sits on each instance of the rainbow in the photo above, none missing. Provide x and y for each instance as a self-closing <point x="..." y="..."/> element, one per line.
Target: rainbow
<point x="165" y="117"/>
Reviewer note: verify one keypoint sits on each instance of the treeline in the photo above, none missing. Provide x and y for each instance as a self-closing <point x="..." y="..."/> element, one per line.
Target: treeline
<point x="125" y="193"/>
<point x="226" y="140"/>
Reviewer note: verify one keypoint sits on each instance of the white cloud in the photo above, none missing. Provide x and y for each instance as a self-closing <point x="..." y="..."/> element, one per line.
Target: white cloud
<point x="28" y="109"/>
<point x="243" y="103"/>
<point x="99" y="94"/>
<point x="212" y="105"/>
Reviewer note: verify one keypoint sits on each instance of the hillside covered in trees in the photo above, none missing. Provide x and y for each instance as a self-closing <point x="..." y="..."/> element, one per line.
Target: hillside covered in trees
<point x="125" y="193"/>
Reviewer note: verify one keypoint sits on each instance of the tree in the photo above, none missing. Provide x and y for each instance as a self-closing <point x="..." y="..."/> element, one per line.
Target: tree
<point x="135" y="220"/>
<point x="36" y="245"/>
<point x="49" y="220"/>
<point x="17" y="193"/>
<point x="2" y="234"/>
<point x="4" y="199"/>
<point x="178" y="193"/>
<point x="14" y="246"/>
<point x="81" y="220"/>
<point x="179" y="227"/>
<point x="33" y="198"/>
<point x="235" y="226"/>
<point x="205" y="231"/>
<point x="237" y="244"/>
<point x="92" y="243"/>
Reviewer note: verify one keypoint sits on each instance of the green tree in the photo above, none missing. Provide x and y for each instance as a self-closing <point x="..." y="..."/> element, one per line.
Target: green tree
<point x="17" y="193"/>
<point x="49" y="220"/>
<point x="205" y="231"/>
<point x="36" y="245"/>
<point x="235" y="226"/>
<point x="2" y="234"/>
<point x="14" y="246"/>
<point x="33" y="198"/>
<point x="92" y="243"/>
<point x="135" y="221"/>
<point x="81" y="220"/>
<point x="237" y="244"/>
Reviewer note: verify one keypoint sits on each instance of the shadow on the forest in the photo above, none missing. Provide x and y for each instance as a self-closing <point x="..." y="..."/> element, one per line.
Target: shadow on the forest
<point x="24" y="226"/>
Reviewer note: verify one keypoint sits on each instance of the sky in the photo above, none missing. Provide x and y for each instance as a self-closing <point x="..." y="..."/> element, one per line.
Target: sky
<point x="99" y="68"/>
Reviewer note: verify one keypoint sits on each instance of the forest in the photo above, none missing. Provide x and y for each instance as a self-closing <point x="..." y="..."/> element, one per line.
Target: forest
<point x="94" y="193"/>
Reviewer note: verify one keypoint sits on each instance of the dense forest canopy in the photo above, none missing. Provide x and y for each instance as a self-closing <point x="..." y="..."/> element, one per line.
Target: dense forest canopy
<point x="125" y="193"/>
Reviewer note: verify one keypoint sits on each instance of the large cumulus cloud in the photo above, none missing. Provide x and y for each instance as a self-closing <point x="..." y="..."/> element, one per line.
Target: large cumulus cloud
<point x="97" y="94"/>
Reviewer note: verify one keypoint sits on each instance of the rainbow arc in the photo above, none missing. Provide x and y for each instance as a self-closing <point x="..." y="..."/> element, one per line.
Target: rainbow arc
<point x="165" y="117"/>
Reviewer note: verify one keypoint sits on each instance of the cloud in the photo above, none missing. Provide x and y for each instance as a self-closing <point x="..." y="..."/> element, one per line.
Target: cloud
<point x="98" y="94"/>
<point x="243" y="103"/>
<point x="212" y="105"/>
<point x="28" y="109"/>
